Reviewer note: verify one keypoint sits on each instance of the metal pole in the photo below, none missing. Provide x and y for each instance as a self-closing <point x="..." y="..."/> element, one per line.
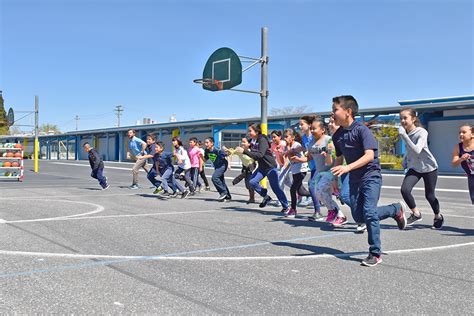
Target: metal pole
<point x="264" y="81"/>
<point x="36" y="133"/>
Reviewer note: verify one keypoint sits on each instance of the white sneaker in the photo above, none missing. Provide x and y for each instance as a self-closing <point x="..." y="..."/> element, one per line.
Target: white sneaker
<point x="361" y="228"/>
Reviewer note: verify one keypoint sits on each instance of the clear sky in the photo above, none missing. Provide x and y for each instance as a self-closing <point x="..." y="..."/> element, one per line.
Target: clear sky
<point x="85" y="57"/>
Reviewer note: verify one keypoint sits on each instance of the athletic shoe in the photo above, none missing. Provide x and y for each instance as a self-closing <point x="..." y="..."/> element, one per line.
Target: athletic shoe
<point x="413" y="219"/>
<point x="339" y="221"/>
<point x="134" y="187"/>
<point x="400" y="216"/>
<point x="198" y="189"/>
<point x="361" y="228"/>
<point x="106" y="187"/>
<point x="222" y="197"/>
<point x="265" y="201"/>
<point x="438" y="222"/>
<point x="227" y="199"/>
<point x="174" y="194"/>
<point x="208" y="189"/>
<point x="250" y="201"/>
<point x="331" y="216"/>
<point x="291" y="213"/>
<point x="305" y="201"/>
<point x="284" y="210"/>
<point x="185" y="194"/>
<point x="316" y="217"/>
<point x="165" y="195"/>
<point x="158" y="190"/>
<point x="371" y="260"/>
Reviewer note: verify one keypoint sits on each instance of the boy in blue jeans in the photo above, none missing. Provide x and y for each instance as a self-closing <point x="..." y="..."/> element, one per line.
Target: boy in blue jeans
<point x="356" y="143"/>
<point x="97" y="166"/>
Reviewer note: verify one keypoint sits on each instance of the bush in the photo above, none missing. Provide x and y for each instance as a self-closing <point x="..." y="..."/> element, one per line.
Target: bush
<point x="392" y="162"/>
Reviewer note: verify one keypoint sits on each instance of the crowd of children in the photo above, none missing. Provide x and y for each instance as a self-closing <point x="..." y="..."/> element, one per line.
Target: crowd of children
<point x="342" y="158"/>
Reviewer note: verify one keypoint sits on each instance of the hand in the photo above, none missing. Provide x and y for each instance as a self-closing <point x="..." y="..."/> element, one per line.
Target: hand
<point x="324" y="154"/>
<point x="128" y="156"/>
<point x="401" y="130"/>
<point x="294" y="159"/>
<point x="340" y="170"/>
<point x="239" y="150"/>
<point x="465" y="157"/>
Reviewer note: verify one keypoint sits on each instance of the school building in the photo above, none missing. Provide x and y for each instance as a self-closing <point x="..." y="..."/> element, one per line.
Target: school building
<point x="441" y="117"/>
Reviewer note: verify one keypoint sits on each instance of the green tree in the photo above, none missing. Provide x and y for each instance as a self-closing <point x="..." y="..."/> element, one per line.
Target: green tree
<point x="3" y="117"/>
<point x="387" y="135"/>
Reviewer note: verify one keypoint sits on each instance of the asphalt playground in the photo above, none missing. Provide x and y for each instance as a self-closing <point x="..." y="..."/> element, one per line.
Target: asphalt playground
<point x="68" y="247"/>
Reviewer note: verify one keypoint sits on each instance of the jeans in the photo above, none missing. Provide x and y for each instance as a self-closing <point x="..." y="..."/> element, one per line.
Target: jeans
<point x="272" y="176"/>
<point x="344" y="192"/>
<point x="195" y="177"/>
<point x="219" y="181"/>
<point x="187" y="177"/>
<point x="152" y="177"/>
<point x="364" y="196"/>
<point x="99" y="175"/>
<point x="169" y="182"/>
<point x="411" y="179"/>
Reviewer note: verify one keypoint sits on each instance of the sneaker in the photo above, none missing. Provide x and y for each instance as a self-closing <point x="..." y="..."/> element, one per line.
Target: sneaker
<point x="222" y="197"/>
<point x="134" y="187"/>
<point x="165" y="195"/>
<point x="413" y="219"/>
<point x="208" y="189"/>
<point x="106" y="187"/>
<point x="361" y="228"/>
<point x="438" y="223"/>
<point x="227" y="199"/>
<point x="174" y="194"/>
<point x="400" y="216"/>
<point x="305" y="201"/>
<point x="331" y="216"/>
<point x="339" y="221"/>
<point x="185" y="194"/>
<point x="316" y="217"/>
<point x="198" y="189"/>
<point x="265" y="201"/>
<point x="250" y="201"/>
<point x="158" y="190"/>
<point x="290" y="213"/>
<point x="371" y="260"/>
<point x="284" y="210"/>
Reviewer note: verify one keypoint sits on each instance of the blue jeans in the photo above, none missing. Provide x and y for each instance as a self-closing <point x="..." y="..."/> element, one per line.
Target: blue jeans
<point x="272" y="176"/>
<point x="152" y="175"/>
<point x="345" y="196"/>
<point x="219" y="180"/>
<point x="99" y="175"/>
<point x="169" y="182"/>
<point x="364" y="196"/>
<point x="187" y="177"/>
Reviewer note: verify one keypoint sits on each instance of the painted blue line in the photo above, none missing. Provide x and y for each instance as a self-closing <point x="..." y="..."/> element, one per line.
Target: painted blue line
<point x="148" y="258"/>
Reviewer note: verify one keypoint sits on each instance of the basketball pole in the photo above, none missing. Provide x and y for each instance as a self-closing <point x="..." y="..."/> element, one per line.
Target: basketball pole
<point x="36" y="147"/>
<point x="264" y="82"/>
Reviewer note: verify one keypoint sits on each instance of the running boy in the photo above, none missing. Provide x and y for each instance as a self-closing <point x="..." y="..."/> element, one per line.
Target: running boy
<point x="97" y="166"/>
<point x="218" y="158"/>
<point x="358" y="146"/>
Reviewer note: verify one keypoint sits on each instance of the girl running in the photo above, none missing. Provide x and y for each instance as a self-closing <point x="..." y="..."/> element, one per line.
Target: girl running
<point x="248" y="166"/>
<point x="278" y="148"/>
<point x="298" y="168"/>
<point x="267" y="166"/>
<point x="420" y="163"/>
<point x="184" y="163"/>
<point x="306" y="138"/>
<point x="463" y="154"/>
<point x="194" y="153"/>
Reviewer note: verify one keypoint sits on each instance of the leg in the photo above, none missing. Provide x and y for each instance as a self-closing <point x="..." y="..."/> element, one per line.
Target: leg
<point x="272" y="176"/>
<point x="470" y="183"/>
<point x="345" y="190"/>
<point x="411" y="179"/>
<point x="324" y="192"/>
<point x="254" y="181"/>
<point x="136" y="168"/>
<point x="312" y="185"/>
<point x="187" y="178"/>
<point x="217" y="180"/>
<point x="101" y="178"/>
<point x="430" y="180"/>
<point x="165" y="179"/>
<point x="152" y="177"/>
<point x="297" y="181"/>
<point x="202" y="173"/>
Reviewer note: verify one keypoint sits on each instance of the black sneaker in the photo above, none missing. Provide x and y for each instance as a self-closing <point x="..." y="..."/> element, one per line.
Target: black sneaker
<point x="174" y="194"/>
<point x="371" y="260"/>
<point x="265" y="201"/>
<point x="400" y="216"/>
<point x="165" y="194"/>
<point x="438" y="223"/>
<point x="227" y="199"/>
<point x="222" y="197"/>
<point x="413" y="219"/>
<point x="185" y="194"/>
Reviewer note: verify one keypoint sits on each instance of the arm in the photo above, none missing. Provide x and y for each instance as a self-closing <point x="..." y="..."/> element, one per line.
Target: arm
<point x="95" y="160"/>
<point x="456" y="160"/>
<point x="418" y="147"/>
<point x="362" y="161"/>
<point x="262" y="149"/>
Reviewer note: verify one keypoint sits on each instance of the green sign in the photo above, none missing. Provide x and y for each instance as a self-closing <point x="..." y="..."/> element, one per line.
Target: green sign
<point x="10" y="117"/>
<point x="223" y="65"/>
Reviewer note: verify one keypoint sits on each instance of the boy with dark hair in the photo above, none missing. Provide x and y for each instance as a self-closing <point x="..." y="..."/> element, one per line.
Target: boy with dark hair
<point x="150" y="154"/>
<point x="355" y="142"/>
<point x="97" y="166"/>
<point x="218" y="158"/>
<point x="162" y="161"/>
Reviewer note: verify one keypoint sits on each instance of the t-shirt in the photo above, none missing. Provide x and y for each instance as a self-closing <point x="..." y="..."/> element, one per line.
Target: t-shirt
<point x="194" y="154"/>
<point x="352" y="142"/>
<point x="216" y="156"/>
<point x="182" y="158"/>
<point x="306" y="142"/>
<point x="135" y="145"/>
<point x="278" y="151"/>
<point x="164" y="160"/>
<point x="316" y="148"/>
<point x="297" y="167"/>
<point x="246" y="160"/>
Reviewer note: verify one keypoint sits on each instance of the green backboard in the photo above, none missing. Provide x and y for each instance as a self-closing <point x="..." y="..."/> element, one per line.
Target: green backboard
<point x="223" y="65"/>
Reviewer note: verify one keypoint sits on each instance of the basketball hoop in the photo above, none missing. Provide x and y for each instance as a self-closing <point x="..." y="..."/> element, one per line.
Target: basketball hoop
<point x="210" y="84"/>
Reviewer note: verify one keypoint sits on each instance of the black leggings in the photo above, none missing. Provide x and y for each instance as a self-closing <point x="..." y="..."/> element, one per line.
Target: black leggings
<point x="203" y="177"/>
<point x="470" y="181"/>
<point x="429" y="178"/>
<point x="297" y="186"/>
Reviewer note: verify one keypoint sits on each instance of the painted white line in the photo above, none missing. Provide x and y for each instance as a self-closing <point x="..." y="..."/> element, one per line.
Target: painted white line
<point x="441" y="177"/>
<point x="247" y="258"/>
<point x="461" y="216"/>
<point x="98" y="209"/>
<point x="423" y="189"/>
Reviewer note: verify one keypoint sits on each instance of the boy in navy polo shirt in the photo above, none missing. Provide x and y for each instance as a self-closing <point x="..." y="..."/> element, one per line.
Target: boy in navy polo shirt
<point x="358" y="146"/>
<point x="218" y="158"/>
<point x="162" y="161"/>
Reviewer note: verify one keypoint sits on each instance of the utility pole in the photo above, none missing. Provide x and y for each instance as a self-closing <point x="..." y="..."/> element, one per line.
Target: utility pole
<point x="36" y="148"/>
<point x="77" y="122"/>
<point x="118" y="110"/>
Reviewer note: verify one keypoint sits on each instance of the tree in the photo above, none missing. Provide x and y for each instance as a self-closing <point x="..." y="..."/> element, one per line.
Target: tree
<point x="387" y="135"/>
<point x="49" y="128"/>
<point x="3" y="117"/>
<point x="15" y="130"/>
<point x="289" y="110"/>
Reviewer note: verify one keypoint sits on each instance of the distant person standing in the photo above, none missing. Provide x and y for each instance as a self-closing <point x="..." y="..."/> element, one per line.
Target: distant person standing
<point x="97" y="166"/>
<point x="463" y="154"/>
<point x="136" y="148"/>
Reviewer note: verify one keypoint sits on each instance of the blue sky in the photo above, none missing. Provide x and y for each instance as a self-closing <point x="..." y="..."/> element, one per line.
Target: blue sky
<point x="85" y="57"/>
